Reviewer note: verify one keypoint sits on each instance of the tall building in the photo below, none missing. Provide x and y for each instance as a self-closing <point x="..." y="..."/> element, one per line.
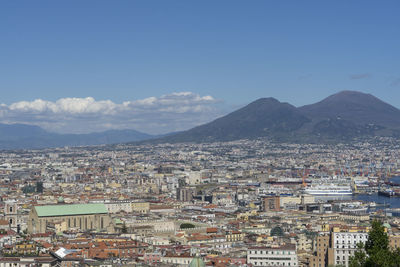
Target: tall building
<point x="11" y="214"/>
<point x="271" y="203"/>
<point x="338" y="246"/>
<point x="185" y="194"/>
<point x="343" y="244"/>
<point x="394" y="241"/>
<point x="322" y="256"/>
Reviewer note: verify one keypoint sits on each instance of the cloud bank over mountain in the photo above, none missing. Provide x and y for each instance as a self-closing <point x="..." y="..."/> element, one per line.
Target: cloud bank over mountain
<point x="171" y="112"/>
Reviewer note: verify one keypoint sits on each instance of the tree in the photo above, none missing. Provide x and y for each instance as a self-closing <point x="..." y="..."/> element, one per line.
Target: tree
<point x="187" y="226"/>
<point x="39" y="187"/>
<point x="124" y="229"/>
<point x="360" y="257"/>
<point x="376" y="251"/>
<point x="277" y="231"/>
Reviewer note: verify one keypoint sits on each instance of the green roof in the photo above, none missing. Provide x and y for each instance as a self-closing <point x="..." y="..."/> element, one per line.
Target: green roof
<point x="197" y="262"/>
<point x="72" y="209"/>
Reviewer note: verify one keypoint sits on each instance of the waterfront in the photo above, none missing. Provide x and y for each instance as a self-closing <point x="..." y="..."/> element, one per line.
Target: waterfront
<point x="394" y="202"/>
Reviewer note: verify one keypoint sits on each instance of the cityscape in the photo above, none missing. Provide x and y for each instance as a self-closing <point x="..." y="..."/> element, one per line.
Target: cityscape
<point x="242" y="203"/>
<point x="199" y="133"/>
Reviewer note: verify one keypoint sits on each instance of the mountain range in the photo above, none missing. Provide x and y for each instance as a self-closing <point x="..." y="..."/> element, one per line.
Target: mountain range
<point x="22" y="136"/>
<point x="337" y="118"/>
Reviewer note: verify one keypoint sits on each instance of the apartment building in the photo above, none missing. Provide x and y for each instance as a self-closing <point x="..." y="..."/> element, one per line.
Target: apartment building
<point x="273" y="256"/>
<point x="344" y="244"/>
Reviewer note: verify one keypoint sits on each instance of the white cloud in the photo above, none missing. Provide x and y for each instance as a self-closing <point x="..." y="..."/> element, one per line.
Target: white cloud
<point x="65" y="105"/>
<point x="172" y="112"/>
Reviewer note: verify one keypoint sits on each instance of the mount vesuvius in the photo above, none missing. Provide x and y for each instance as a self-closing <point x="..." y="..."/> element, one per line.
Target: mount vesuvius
<point x="339" y="117"/>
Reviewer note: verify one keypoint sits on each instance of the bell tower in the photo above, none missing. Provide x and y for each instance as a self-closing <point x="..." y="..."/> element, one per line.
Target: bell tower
<point x="11" y="214"/>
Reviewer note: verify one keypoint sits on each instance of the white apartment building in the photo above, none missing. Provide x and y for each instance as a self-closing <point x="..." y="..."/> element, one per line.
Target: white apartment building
<point x="115" y="206"/>
<point x="118" y="206"/>
<point x="177" y="260"/>
<point x="344" y="245"/>
<point x="273" y="256"/>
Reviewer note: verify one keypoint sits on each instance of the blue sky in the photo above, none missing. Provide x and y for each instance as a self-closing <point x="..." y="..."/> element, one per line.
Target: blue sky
<point x="233" y="51"/>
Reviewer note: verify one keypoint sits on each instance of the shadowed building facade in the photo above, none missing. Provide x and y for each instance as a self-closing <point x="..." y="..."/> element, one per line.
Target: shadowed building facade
<point x="81" y="217"/>
<point x="271" y="203"/>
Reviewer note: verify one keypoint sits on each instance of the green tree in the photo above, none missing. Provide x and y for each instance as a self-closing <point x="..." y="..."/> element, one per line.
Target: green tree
<point x="39" y="187"/>
<point x="277" y="231"/>
<point x="360" y="257"/>
<point x="376" y="251"/>
<point x="124" y="229"/>
<point x="187" y="226"/>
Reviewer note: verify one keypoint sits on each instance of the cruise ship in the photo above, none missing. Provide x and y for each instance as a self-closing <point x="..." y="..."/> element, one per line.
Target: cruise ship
<point x="329" y="190"/>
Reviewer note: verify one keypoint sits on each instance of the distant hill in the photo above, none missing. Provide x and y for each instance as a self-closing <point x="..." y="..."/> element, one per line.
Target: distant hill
<point x="357" y="107"/>
<point x="264" y="117"/>
<point x="349" y="114"/>
<point x="339" y="117"/>
<point x="22" y="136"/>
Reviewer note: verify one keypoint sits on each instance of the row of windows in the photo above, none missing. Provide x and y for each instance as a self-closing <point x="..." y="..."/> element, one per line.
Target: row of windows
<point x="349" y="243"/>
<point x="74" y="223"/>
<point x="283" y="252"/>
<point x="269" y="258"/>
<point x="177" y="261"/>
<point x="256" y="263"/>
<point x="345" y="251"/>
<point x="86" y="224"/>
<point x="348" y="247"/>
<point x="363" y="236"/>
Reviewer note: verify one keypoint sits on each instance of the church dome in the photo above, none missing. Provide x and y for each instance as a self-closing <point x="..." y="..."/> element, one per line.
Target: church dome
<point x="60" y="199"/>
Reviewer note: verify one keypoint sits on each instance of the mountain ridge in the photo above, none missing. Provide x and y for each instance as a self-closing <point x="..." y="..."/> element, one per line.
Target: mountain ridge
<point x="355" y="106"/>
<point x="339" y="117"/>
<point x="24" y="136"/>
<point x="254" y="115"/>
